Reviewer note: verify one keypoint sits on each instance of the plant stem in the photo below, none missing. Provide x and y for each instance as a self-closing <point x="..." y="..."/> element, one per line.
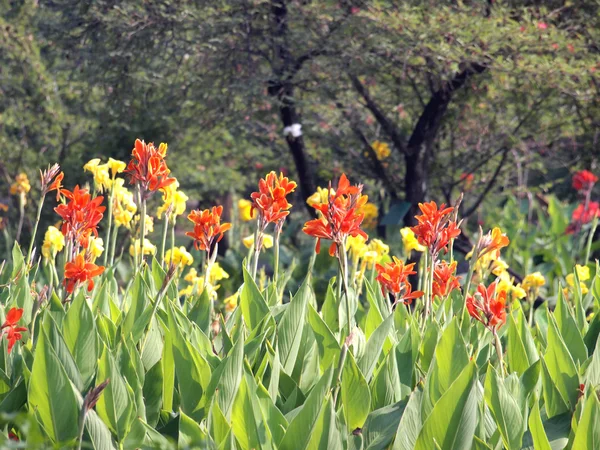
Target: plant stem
<point x="21" y="215"/>
<point x="339" y="371"/>
<point x="276" y="257"/>
<point x="142" y="228"/>
<point x="426" y="281"/>
<point x="82" y="415"/>
<point x="35" y="227"/>
<point x="164" y="241"/>
<point x="530" y="300"/>
<point x="589" y="241"/>
<point x="429" y="305"/>
<point x="257" y="236"/>
<point x="343" y="260"/>
<point x="498" y="350"/>
<point x="113" y="243"/>
<point x="110" y="218"/>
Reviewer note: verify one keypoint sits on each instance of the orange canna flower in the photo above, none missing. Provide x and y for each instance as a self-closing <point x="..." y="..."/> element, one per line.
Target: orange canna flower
<point x="444" y="280"/>
<point x="48" y="185"/>
<point x="340" y="216"/>
<point x="393" y="278"/>
<point x="81" y="215"/>
<point x="488" y="306"/>
<point x="207" y="227"/>
<point x="270" y="201"/>
<point x="10" y="328"/>
<point x="80" y="271"/>
<point x="584" y="180"/>
<point x="493" y="241"/>
<point x="148" y="167"/>
<point x="435" y="228"/>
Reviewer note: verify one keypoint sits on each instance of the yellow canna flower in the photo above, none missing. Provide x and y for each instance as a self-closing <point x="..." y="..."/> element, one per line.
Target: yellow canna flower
<point x="21" y="185"/>
<point x="378" y="246"/>
<point x="357" y="247"/>
<point x="124" y="207"/>
<point x="410" y="242"/>
<point x="245" y="210"/>
<point x="115" y="166"/>
<point x="102" y="179"/>
<point x="320" y="196"/>
<point x="148" y="249"/>
<point x="173" y="199"/>
<point x="231" y="302"/>
<point x="533" y="282"/>
<point x="54" y="242"/>
<point x="499" y="266"/>
<point x="518" y="293"/>
<point x="95" y="247"/>
<point x="371" y="214"/>
<point x="583" y="272"/>
<point x="217" y="273"/>
<point x="370" y="258"/>
<point x="248" y="241"/>
<point x="181" y="257"/>
<point x="382" y="150"/>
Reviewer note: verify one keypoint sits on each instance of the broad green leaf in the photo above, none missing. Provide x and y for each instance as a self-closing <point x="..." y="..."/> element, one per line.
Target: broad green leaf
<point x="329" y="349"/>
<point x="303" y="425"/>
<point x="98" y="432"/>
<point x="520" y="351"/>
<point x="252" y="304"/>
<point x="153" y="393"/>
<point x="190" y="433"/>
<point x="505" y="409"/>
<point x="79" y="330"/>
<point x="410" y="423"/>
<point x="587" y="436"/>
<point x="356" y="397"/>
<point x="560" y="365"/>
<point x="569" y="330"/>
<point x="247" y="421"/>
<point x="381" y="426"/>
<point x="291" y="326"/>
<point x="325" y="432"/>
<point x="592" y="373"/>
<point x="51" y="395"/>
<point x="116" y="404"/>
<point x="386" y="387"/>
<point x="554" y="402"/>
<point x="230" y="378"/>
<point x="374" y="347"/>
<point x="452" y="422"/>
<point x="536" y="427"/>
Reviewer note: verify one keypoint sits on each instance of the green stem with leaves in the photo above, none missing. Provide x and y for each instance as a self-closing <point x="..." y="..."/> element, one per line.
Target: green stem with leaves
<point x="35" y="227"/>
<point x="110" y="218"/>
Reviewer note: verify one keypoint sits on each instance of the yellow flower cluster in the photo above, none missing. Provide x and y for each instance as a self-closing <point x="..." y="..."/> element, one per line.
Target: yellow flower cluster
<point x="371" y="213"/>
<point x="245" y="210"/>
<point x="506" y="284"/>
<point x="533" y="282"/>
<point x="181" y="257"/>
<point x="248" y="241"/>
<point x="583" y="273"/>
<point x="196" y="283"/>
<point x="104" y="174"/>
<point x="54" y="242"/>
<point x="382" y="150"/>
<point x="21" y="185"/>
<point x="95" y="247"/>
<point x="148" y="248"/>
<point x="365" y="254"/>
<point x="410" y="242"/>
<point x="173" y="200"/>
<point x="124" y="208"/>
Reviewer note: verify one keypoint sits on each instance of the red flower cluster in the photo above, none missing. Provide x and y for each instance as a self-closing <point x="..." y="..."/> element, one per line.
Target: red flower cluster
<point x="488" y="306"/>
<point x="435" y="228"/>
<point x="81" y="215"/>
<point x="13" y="332"/>
<point x="80" y="271"/>
<point x="270" y="201"/>
<point x="340" y="217"/>
<point x="148" y="167"/>
<point x="444" y="280"/>
<point x="584" y="180"/>
<point x="207" y="227"/>
<point x="393" y="278"/>
<point x="581" y="216"/>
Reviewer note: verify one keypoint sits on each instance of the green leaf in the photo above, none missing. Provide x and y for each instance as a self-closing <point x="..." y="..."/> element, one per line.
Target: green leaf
<point x="356" y="397"/>
<point x="381" y="426"/>
<point x="325" y="434"/>
<point x="386" y="387"/>
<point x="51" y="395"/>
<point x="230" y="378"/>
<point x="410" y="423"/>
<point x="98" y="432"/>
<point x="540" y="440"/>
<point x="291" y="326"/>
<point x="569" y="330"/>
<point x="560" y="365"/>
<point x="587" y="436"/>
<point x="190" y="433"/>
<point x="153" y="393"/>
<point x="554" y="403"/>
<point x="374" y="347"/>
<point x="329" y="349"/>
<point x="79" y="330"/>
<point x="303" y="425"/>
<point x="520" y="351"/>
<point x="452" y="422"/>
<point x="505" y="410"/>
<point x="252" y="303"/>
<point x="115" y="406"/>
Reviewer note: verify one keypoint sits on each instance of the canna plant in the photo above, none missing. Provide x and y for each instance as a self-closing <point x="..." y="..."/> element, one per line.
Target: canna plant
<point x="86" y="362"/>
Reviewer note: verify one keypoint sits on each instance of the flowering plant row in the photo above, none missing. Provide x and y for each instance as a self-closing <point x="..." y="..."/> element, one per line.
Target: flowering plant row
<point x="387" y="358"/>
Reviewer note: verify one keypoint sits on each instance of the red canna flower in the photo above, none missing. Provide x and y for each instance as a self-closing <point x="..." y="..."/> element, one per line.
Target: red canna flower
<point x="584" y="180"/>
<point x="444" y="280"/>
<point x="80" y="271"/>
<point x="393" y="278"/>
<point x="435" y="228"/>
<point x="270" y="201"/>
<point x="467" y="179"/>
<point x="488" y="306"/>
<point x="81" y="215"/>
<point x="340" y="217"/>
<point x="10" y="328"/>
<point x="207" y="227"/>
<point x="148" y="167"/>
